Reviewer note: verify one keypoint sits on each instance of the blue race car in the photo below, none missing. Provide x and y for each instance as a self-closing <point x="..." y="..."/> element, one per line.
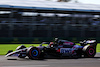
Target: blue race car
<point x="58" y="48"/>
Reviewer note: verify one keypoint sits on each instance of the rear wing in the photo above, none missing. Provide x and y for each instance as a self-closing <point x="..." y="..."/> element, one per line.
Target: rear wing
<point x="90" y="42"/>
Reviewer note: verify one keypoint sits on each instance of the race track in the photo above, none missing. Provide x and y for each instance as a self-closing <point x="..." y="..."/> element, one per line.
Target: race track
<point x="81" y="62"/>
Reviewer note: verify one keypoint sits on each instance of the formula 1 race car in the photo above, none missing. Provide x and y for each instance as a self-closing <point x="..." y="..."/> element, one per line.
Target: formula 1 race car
<point x="58" y="48"/>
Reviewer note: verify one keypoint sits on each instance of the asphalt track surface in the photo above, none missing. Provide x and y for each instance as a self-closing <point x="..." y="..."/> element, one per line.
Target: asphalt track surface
<point x="80" y="62"/>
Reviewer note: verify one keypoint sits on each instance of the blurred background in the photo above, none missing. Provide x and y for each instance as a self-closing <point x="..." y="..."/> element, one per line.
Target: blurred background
<point x="29" y="21"/>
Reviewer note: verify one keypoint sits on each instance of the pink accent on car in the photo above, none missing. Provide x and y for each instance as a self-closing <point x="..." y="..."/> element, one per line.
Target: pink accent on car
<point x="91" y="49"/>
<point x="70" y="43"/>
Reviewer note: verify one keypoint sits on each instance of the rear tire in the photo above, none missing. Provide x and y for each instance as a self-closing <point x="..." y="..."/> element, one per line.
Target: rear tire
<point x="89" y="51"/>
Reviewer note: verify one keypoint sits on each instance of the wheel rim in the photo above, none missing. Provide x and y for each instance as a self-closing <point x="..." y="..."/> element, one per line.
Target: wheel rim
<point x="35" y="52"/>
<point x="91" y="51"/>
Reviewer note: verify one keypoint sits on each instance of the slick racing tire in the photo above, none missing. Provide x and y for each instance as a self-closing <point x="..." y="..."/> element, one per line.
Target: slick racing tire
<point x="33" y="53"/>
<point x="89" y="51"/>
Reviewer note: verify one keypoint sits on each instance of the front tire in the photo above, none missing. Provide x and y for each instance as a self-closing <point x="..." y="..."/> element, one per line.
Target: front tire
<point x="33" y="53"/>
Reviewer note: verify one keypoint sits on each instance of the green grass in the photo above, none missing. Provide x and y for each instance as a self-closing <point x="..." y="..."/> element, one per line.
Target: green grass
<point x="98" y="47"/>
<point x="5" y="47"/>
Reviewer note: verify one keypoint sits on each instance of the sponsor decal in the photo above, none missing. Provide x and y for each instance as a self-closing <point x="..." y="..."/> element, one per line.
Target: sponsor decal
<point x="15" y="54"/>
<point x="65" y="50"/>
